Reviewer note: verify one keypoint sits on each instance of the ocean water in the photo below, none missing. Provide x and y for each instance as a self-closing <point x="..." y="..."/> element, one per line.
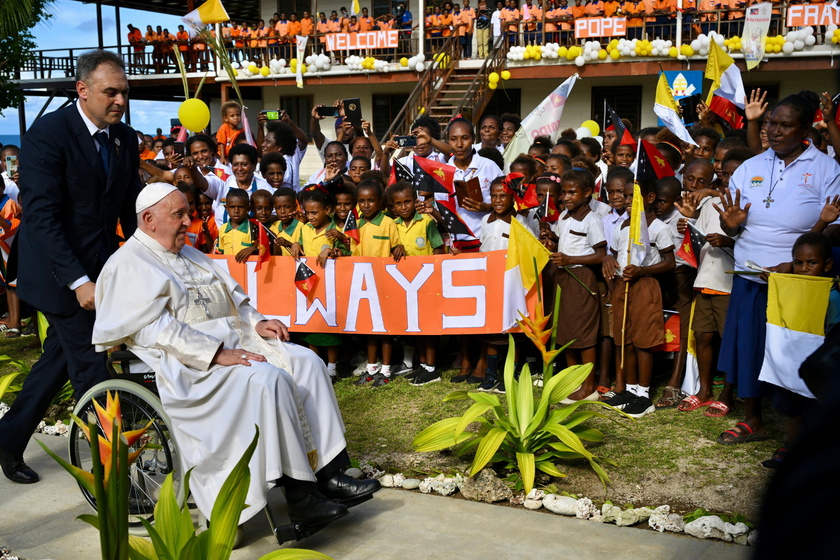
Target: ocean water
<point x="10" y="139"/>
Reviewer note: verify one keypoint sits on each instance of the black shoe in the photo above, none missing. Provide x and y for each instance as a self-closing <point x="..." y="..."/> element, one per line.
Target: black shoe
<point x="487" y="384"/>
<point x="315" y="510"/>
<point x="499" y="387"/>
<point x="460" y="378"/>
<point x="621" y="400"/>
<point x="638" y="407"/>
<point x="401" y="370"/>
<point x="473" y="380"/>
<point x="16" y="470"/>
<point x="341" y="488"/>
<point x="425" y="377"/>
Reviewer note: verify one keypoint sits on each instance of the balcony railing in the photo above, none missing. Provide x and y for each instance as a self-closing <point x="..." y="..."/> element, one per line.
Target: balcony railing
<point x="157" y="60"/>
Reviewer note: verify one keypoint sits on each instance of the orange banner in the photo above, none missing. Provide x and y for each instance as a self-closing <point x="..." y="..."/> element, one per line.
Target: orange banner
<point x="435" y="295"/>
<point x="387" y="39"/>
<point x="600" y="27"/>
<point x="803" y="15"/>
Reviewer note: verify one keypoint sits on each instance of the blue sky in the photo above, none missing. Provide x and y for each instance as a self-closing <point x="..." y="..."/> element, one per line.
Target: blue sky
<point x="73" y="25"/>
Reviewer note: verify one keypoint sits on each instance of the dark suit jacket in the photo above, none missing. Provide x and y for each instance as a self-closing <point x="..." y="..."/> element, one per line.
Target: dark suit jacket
<point x="70" y="208"/>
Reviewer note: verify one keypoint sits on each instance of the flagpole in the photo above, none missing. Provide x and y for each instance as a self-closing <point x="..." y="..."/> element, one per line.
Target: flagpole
<point x="605" y="118"/>
<point x="629" y="249"/>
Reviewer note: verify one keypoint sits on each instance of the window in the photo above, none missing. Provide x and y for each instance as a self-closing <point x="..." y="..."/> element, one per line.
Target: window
<point x="299" y="109"/>
<point x="382" y="7"/>
<point x="504" y="101"/>
<point x="385" y="110"/>
<point x="626" y="101"/>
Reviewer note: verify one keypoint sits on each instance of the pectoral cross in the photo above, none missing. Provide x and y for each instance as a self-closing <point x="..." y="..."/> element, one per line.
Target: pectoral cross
<point x="203" y="301"/>
<point x="768" y="201"/>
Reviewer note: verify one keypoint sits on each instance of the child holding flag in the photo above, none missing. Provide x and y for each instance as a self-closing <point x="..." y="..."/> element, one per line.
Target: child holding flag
<point x="581" y="245"/>
<point x="643" y="249"/>
<point x="419" y="235"/>
<point x="378" y="237"/>
<point x="287" y="228"/>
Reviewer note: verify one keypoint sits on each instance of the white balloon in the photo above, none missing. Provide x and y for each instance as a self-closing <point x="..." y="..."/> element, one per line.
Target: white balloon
<point x="809" y="30"/>
<point x="799" y="45"/>
<point x="787" y="48"/>
<point x="420" y="67"/>
<point x="580" y="61"/>
<point x="719" y="39"/>
<point x="830" y="29"/>
<point x="792" y="36"/>
<point x="422" y="57"/>
<point x="669" y="44"/>
<point x="583" y="132"/>
<point x="704" y="51"/>
<point x="282" y="62"/>
<point x="386" y="68"/>
<point x="697" y="44"/>
<point x="810" y="40"/>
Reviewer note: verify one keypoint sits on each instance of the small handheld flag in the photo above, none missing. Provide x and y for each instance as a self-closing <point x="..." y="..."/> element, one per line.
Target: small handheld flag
<point x="450" y="220"/>
<point x="433" y="176"/>
<point x="691" y="245"/>
<point x="351" y="225"/>
<point x="305" y="278"/>
<point x="259" y="236"/>
<point x="651" y="164"/>
<point x="547" y="211"/>
<point x="400" y="172"/>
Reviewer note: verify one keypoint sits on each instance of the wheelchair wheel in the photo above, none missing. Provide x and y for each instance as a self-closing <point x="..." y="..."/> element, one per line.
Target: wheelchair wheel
<point x="147" y="473"/>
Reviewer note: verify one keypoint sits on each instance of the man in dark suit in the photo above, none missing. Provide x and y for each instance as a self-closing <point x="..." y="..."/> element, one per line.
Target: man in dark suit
<point x="78" y="178"/>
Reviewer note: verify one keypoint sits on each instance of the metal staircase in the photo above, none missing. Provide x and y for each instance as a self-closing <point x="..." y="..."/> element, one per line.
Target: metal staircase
<point x="446" y="90"/>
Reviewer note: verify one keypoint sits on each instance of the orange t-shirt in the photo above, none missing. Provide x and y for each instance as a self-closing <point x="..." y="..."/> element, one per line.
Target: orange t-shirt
<point x="167" y="41"/>
<point x="294" y="28"/>
<point x="633" y="8"/>
<point x="468" y="16"/>
<point x="306" y="27"/>
<point x="385" y="25"/>
<point x="254" y="35"/>
<point x="610" y="8"/>
<point x="736" y="11"/>
<point x="594" y="9"/>
<point x="136" y="37"/>
<point x="446" y="23"/>
<point x="262" y="33"/>
<point x="365" y="23"/>
<point x="183" y="36"/>
<point x="536" y="15"/>
<point x="225" y="137"/>
<point x="195" y="228"/>
<point x="432" y="22"/>
<point x="323" y="29"/>
<point x="334" y="25"/>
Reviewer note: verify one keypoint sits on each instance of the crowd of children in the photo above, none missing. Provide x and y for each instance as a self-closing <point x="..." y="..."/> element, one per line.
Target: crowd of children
<point x="576" y="197"/>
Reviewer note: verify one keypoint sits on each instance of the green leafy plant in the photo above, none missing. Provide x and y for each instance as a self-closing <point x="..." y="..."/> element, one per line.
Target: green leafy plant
<point x="526" y="436"/>
<point x="6" y="380"/>
<point x="173" y="536"/>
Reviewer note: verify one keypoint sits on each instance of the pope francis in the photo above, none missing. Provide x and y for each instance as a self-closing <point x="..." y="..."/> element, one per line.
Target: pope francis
<point x="221" y="368"/>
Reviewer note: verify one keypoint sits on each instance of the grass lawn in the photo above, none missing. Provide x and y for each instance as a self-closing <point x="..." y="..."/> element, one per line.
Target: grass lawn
<point x="668" y="457"/>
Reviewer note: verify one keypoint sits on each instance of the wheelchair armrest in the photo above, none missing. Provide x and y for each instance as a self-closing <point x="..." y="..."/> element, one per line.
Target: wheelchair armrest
<point x="122" y="356"/>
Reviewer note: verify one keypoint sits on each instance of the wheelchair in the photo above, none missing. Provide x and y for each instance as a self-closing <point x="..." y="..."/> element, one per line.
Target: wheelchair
<point x="140" y="404"/>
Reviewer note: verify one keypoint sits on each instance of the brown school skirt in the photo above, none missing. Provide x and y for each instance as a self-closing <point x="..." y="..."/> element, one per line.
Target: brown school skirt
<point x="580" y="311"/>
<point x="645" y="324"/>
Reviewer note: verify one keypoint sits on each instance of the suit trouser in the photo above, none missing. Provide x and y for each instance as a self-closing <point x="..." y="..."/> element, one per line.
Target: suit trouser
<point x="68" y="354"/>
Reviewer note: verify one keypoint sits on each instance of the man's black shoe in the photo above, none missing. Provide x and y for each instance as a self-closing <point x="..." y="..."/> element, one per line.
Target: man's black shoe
<point x="315" y="510"/>
<point x="16" y="470"/>
<point x="341" y="488"/>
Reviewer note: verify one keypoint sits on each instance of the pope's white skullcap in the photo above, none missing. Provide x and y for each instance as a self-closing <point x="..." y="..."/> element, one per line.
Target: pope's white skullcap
<point x="152" y="194"/>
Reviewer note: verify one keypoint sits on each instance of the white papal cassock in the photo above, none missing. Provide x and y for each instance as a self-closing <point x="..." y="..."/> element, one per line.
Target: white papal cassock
<point x="173" y="310"/>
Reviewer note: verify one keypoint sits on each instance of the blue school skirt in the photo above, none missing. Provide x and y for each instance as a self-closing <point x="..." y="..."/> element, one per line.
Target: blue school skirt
<point x="742" y="347"/>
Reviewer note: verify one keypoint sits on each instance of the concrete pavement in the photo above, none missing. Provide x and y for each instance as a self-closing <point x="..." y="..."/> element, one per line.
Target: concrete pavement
<point x="38" y="522"/>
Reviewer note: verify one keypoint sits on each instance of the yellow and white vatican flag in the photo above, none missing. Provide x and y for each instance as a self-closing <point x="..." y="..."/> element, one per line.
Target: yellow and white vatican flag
<point x="526" y="257"/>
<point x="796" y="311"/>
<point x="211" y="11"/>
<point x="667" y="109"/>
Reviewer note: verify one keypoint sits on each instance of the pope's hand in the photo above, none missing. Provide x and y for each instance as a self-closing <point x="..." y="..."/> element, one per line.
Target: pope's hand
<point x="85" y="294"/>
<point x="237" y="356"/>
<point x="272" y="328"/>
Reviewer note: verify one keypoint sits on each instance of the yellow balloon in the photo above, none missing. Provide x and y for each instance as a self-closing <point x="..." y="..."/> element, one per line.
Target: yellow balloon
<point x="673" y="52"/>
<point x="293" y="62"/>
<point x="492" y="85"/>
<point x="506" y="74"/>
<point x="592" y="126"/>
<point x="537" y="55"/>
<point x="252" y="68"/>
<point x="615" y="54"/>
<point x="404" y="62"/>
<point x="493" y="77"/>
<point x="602" y="54"/>
<point x="562" y="52"/>
<point x="194" y="114"/>
<point x="303" y="68"/>
<point x="264" y="71"/>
